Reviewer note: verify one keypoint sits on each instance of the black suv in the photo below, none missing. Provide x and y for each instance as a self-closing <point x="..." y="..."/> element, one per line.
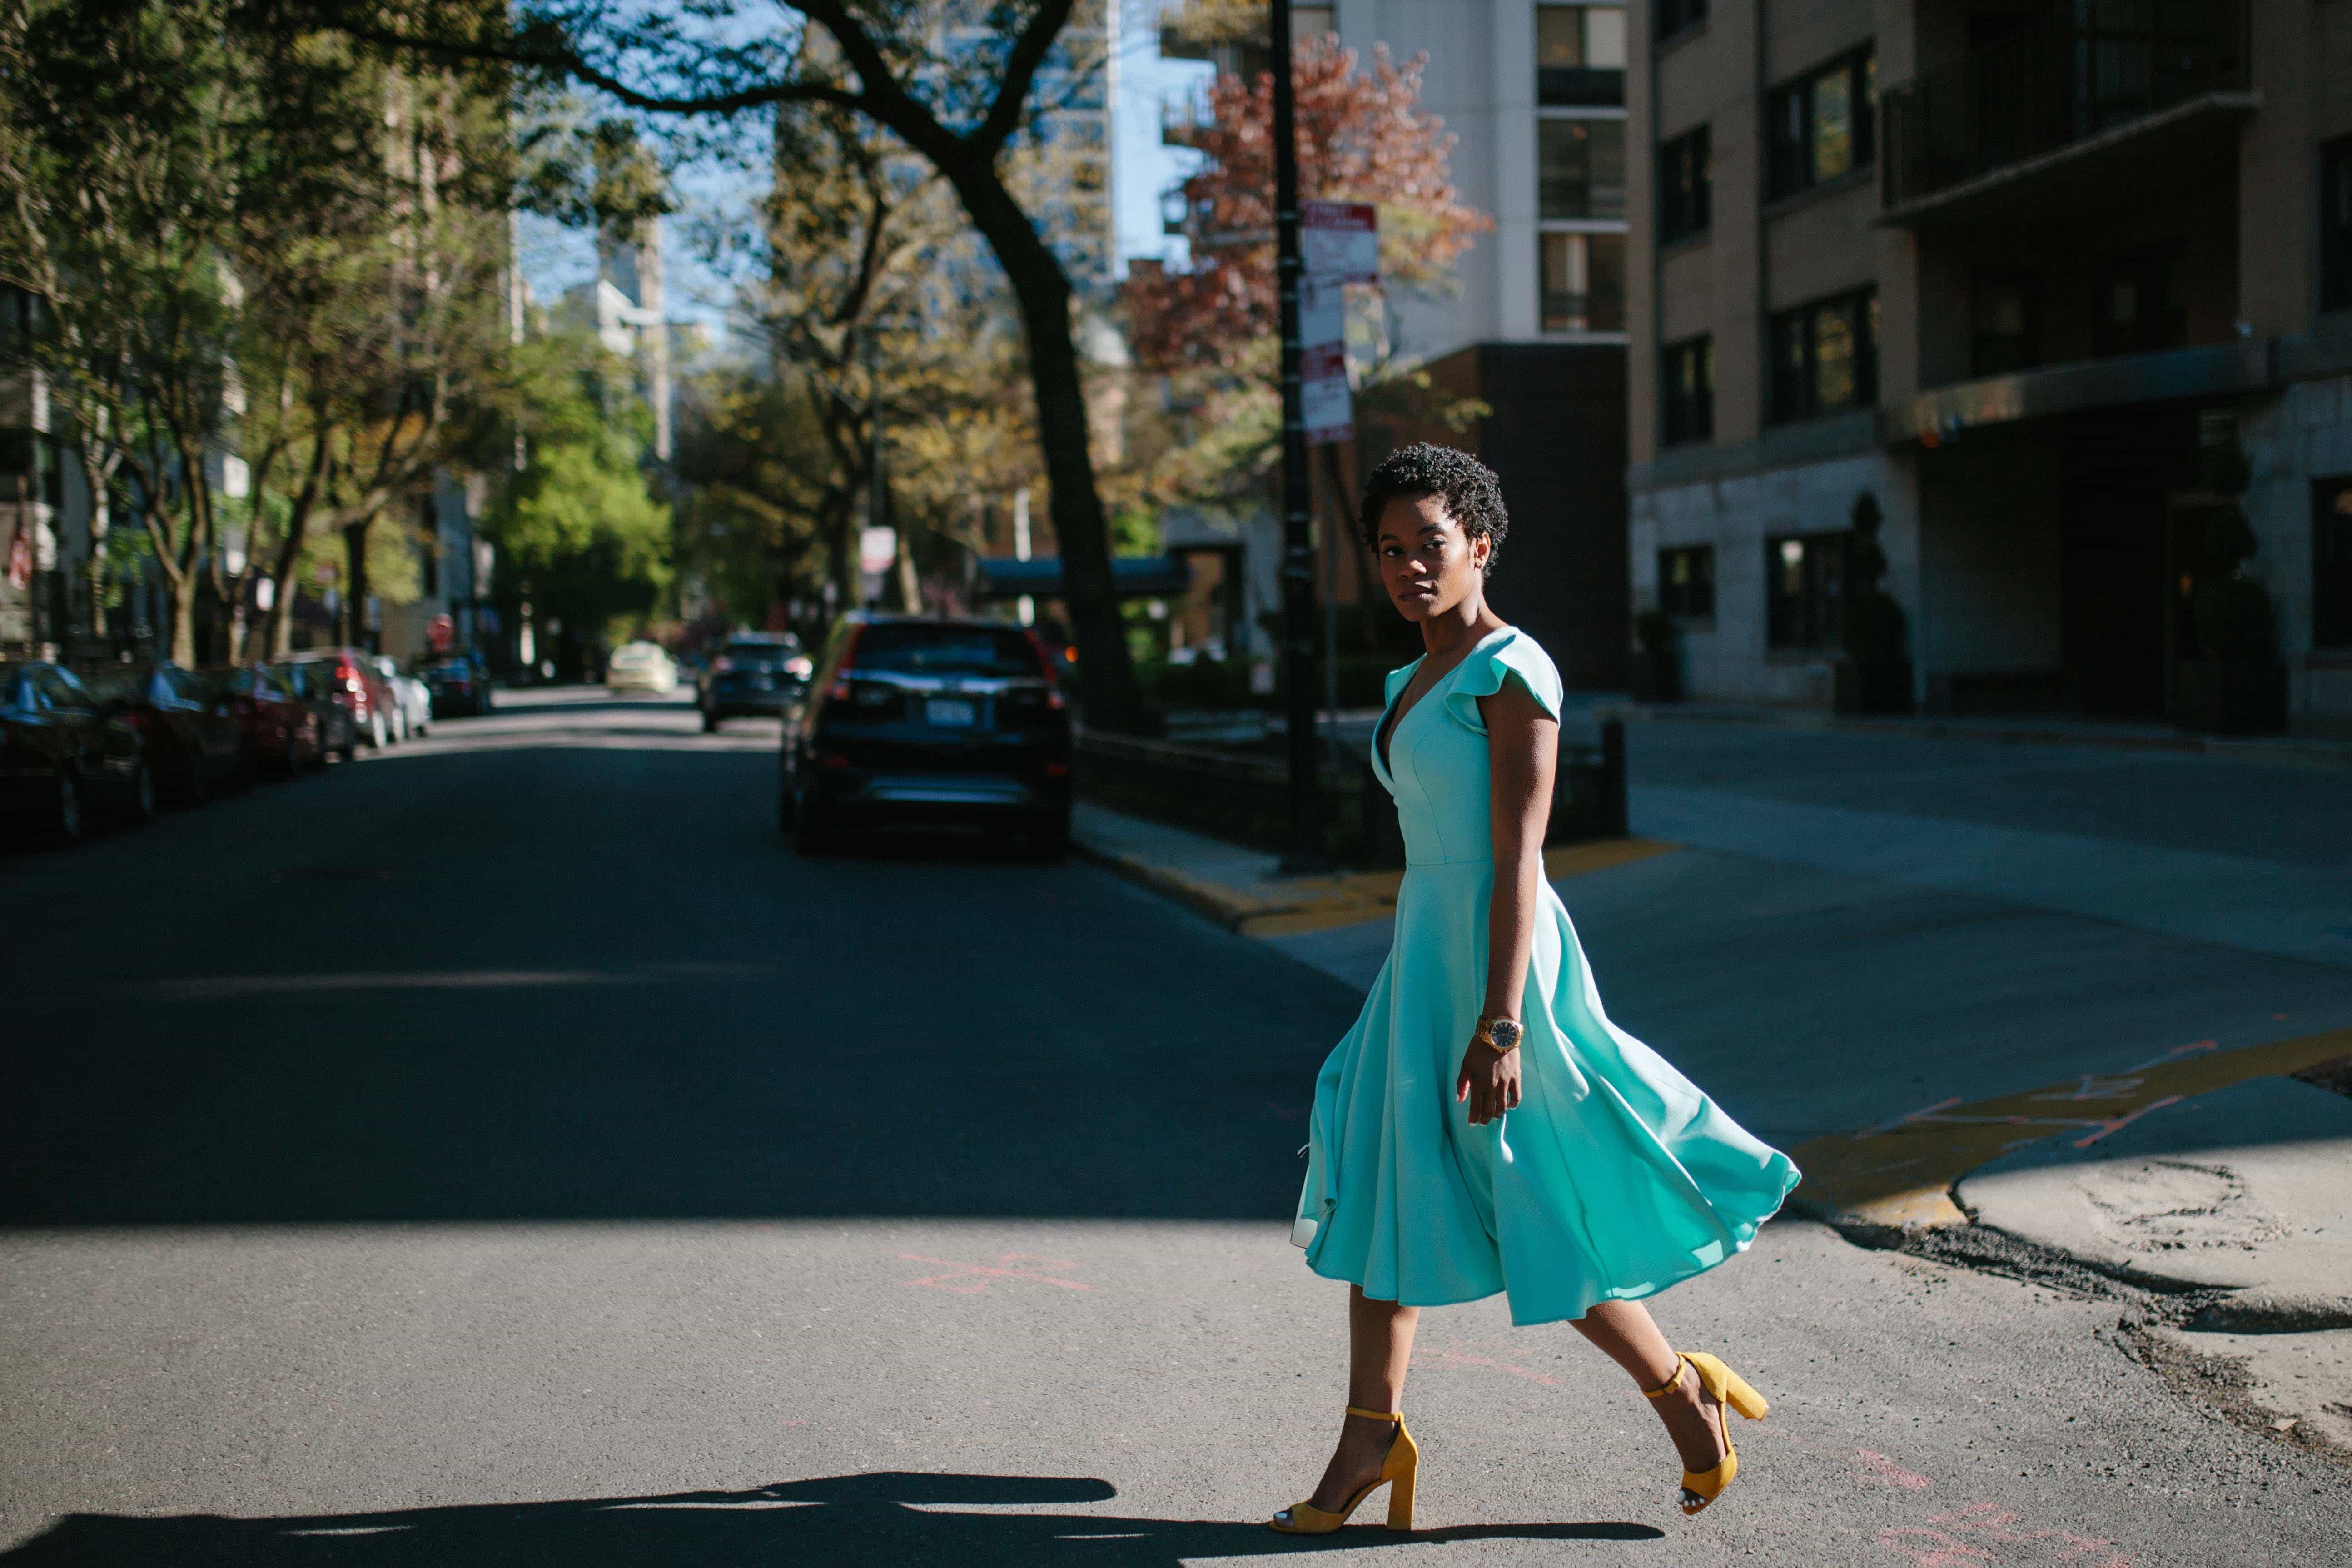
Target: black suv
<point x="915" y="719"/>
<point x="757" y="673"/>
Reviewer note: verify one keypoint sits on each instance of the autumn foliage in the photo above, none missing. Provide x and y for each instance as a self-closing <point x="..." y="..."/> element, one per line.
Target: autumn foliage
<point x="1362" y="137"/>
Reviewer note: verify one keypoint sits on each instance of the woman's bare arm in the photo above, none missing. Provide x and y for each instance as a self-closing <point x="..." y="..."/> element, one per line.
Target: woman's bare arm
<point x="1523" y="749"/>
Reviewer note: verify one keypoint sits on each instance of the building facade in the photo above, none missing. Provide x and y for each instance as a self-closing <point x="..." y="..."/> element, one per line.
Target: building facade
<point x="2056" y="284"/>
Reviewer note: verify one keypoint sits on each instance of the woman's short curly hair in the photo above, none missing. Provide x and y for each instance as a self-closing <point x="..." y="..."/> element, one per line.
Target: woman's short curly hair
<point x="1472" y="494"/>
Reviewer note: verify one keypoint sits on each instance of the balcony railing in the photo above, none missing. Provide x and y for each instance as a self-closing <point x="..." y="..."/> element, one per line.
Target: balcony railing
<point x="1579" y="86"/>
<point x="2091" y="67"/>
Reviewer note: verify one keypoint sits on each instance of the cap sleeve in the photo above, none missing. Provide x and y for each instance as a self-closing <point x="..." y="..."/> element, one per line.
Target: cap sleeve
<point x="1484" y="672"/>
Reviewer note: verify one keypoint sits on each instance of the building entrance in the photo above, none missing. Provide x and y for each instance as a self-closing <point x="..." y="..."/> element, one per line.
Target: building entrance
<point x="2117" y="474"/>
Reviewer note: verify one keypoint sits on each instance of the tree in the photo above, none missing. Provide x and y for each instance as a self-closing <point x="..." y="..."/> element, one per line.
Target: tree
<point x="580" y="538"/>
<point x="1362" y="136"/>
<point x="955" y="81"/>
<point x="121" y="128"/>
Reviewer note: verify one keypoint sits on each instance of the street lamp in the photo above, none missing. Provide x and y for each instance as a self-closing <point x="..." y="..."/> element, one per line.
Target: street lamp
<point x="1298" y="540"/>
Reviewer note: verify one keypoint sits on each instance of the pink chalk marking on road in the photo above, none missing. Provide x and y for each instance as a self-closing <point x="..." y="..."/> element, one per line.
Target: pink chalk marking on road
<point x="973" y="1278"/>
<point x="1937" y="1543"/>
<point x="2194" y="1047"/>
<point x="2095" y="1087"/>
<point x="1887" y="1471"/>
<point x="2120" y="1123"/>
<point x="1454" y="1356"/>
<point x="1901" y="1122"/>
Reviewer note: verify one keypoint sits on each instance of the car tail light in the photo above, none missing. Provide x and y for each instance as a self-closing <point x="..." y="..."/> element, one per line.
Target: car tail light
<point x="1056" y="769"/>
<point x="721" y="665"/>
<point x="832" y="759"/>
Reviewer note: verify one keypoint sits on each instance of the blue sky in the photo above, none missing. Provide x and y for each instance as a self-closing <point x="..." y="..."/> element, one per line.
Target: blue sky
<point x="556" y="257"/>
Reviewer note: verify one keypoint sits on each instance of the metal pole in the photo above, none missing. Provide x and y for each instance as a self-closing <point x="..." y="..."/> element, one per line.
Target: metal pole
<point x="1297" y="541"/>
<point x="874" y="510"/>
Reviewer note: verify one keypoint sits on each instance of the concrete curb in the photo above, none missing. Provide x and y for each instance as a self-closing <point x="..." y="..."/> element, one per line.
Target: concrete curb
<point x="2308" y="750"/>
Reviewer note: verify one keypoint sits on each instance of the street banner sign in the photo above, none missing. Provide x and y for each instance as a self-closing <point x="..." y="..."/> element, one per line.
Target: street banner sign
<point x="1327" y="407"/>
<point x="1340" y="239"/>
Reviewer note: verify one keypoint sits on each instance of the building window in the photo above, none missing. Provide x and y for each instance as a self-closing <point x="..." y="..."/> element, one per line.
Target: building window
<point x="1804" y="589"/>
<point x="1825" y="356"/>
<point x="2336" y="225"/>
<point x="1583" y="282"/>
<point x="2004" y="324"/>
<point x="1825" y="125"/>
<point x="1580" y="57"/>
<point x="1686" y="582"/>
<point x="2138" y="305"/>
<point x="1686" y="392"/>
<point x="2331" y="563"/>
<point x="1685" y="187"/>
<point x="1581" y="168"/>
<point x="1673" y="16"/>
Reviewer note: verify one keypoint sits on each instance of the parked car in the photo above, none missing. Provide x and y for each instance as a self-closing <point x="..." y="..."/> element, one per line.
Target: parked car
<point x="61" y="758"/>
<point x="311" y="683"/>
<point x="756" y="673"/>
<point x="351" y="680"/>
<point x="640" y="667"/>
<point x="457" y="684"/>
<point x="192" y="743"/>
<point x="280" y="733"/>
<point x="412" y="702"/>
<point x="925" y="720"/>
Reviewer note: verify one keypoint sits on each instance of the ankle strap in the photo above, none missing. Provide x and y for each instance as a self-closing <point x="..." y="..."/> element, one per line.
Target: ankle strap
<point x="1376" y="1414"/>
<point x="1670" y="1384"/>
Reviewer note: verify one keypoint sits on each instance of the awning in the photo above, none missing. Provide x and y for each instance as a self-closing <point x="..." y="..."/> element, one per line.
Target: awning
<point x="1135" y="576"/>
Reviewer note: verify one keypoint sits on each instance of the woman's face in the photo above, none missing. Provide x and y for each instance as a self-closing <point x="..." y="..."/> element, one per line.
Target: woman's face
<point x="1429" y="565"/>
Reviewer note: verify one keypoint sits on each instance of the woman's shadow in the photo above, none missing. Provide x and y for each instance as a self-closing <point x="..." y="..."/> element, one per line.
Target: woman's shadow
<point x="888" y="1517"/>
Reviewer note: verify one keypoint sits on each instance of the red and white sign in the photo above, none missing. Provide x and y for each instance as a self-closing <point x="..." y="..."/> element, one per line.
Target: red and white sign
<point x="20" y="560"/>
<point x="1324" y="398"/>
<point x="1341" y="241"/>
<point x="441" y="631"/>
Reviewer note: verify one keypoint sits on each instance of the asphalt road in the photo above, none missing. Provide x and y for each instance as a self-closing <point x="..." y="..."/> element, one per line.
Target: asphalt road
<point x="505" y="1150"/>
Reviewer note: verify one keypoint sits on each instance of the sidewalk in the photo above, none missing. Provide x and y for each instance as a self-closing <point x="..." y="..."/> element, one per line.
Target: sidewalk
<point x="2021" y="730"/>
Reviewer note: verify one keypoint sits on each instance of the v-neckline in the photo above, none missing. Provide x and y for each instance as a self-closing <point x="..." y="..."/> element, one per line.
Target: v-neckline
<point x="1385" y="736"/>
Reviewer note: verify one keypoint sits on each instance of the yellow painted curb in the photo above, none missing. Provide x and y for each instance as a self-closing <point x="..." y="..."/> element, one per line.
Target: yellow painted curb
<point x="1900" y="1175"/>
<point x="1319" y="903"/>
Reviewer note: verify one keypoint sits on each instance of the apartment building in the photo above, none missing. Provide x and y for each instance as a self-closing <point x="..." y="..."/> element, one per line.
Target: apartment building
<point x="2034" y="275"/>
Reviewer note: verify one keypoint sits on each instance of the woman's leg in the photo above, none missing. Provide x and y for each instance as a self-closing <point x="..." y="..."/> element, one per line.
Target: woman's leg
<point x="1379" y="1344"/>
<point x="1628" y="1335"/>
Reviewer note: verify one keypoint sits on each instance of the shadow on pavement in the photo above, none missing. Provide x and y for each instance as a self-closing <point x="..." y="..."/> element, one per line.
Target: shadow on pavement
<point x="889" y="1517"/>
<point x="568" y="983"/>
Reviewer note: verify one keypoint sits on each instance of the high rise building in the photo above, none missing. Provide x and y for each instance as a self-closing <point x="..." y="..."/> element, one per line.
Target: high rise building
<point x="2062" y="287"/>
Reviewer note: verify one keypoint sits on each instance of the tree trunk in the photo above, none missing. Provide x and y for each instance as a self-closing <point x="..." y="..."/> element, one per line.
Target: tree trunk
<point x="184" y="615"/>
<point x="1106" y="675"/>
<point x="95" y="478"/>
<point x="355" y="600"/>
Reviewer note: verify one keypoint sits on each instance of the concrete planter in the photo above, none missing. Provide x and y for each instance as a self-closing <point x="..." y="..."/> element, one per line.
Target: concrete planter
<point x="1874" y="686"/>
<point x="2233" y="696"/>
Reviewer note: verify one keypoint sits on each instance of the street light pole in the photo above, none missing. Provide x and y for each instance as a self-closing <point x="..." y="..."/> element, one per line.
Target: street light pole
<point x="1298" y="540"/>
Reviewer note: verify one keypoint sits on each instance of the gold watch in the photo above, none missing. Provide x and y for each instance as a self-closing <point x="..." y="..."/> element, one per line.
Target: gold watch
<point x="1503" y="1034"/>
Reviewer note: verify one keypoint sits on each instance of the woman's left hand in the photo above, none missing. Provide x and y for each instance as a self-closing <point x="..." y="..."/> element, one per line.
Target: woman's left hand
<point x="1489" y="1080"/>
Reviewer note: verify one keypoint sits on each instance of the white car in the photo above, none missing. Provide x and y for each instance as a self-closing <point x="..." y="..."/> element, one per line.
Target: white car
<point x="415" y="705"/>
<point x="640" y="667"/>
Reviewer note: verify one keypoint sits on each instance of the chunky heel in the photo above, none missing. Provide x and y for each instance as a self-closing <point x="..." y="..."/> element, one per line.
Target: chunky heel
<point x="1398" y="1472"/>
<point x="1401" y="1501"/>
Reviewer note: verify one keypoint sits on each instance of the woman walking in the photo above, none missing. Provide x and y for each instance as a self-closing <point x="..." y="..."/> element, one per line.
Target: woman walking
<point x="1484" y="1126"/>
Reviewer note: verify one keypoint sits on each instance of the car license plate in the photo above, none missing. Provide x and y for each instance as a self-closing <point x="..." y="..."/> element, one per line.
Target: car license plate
<point x="950" y="710"/>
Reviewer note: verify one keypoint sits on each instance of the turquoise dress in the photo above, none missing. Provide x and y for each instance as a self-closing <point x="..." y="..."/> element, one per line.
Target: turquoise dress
<point x="1614" y="1179"/>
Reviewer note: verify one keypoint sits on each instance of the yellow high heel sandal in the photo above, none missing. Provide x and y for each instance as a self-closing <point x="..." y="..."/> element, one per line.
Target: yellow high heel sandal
<point x="1728" y="1390"/>
<point x="1396" y="1473"/>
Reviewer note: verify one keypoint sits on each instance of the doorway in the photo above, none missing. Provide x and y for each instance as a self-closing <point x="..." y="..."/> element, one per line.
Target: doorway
<point x="2117" y="474"/>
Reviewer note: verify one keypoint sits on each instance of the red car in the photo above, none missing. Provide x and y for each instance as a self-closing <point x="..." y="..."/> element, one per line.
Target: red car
<point x="350" y="680"/>
<point x="278" y="731"/>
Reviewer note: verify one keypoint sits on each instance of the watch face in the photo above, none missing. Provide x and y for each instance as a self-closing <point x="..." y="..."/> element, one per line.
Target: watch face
<point x="1505" y="1032"/>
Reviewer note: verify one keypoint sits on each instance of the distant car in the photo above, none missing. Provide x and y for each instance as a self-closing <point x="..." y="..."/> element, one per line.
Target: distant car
<point x="280" y="733"/>
<point x="757" y="673"/>
<point x="412" y="700"/>
<point x="920" y="720"/>
<point x="313" y="683"/>
<point x="193" y="743"/>
<point x="60" y="758"/>
<point x="351" y="680"/>
<point x="457" y="684"/>
<point x="640" y="667"/>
